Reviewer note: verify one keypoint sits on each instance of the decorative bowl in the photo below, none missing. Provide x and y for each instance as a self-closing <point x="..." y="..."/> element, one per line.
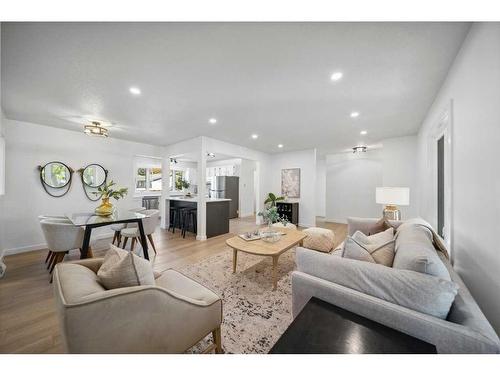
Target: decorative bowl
<point x="270" y="236"/>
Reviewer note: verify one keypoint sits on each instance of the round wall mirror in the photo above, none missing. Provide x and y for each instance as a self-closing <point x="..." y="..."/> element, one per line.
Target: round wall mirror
<point x="55" y="174"/>
<point x="94" y="175"/>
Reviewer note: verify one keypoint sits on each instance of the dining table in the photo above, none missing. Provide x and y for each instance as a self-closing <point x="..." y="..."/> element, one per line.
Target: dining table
<point x="90" y="221"/>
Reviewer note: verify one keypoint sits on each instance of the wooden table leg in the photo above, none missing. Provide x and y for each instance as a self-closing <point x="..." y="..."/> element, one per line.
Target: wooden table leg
<point x="235" y="258"/>
<point x="275" y="272"/>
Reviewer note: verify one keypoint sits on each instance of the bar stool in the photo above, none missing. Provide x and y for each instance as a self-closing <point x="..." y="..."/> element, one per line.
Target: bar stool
<point x="175" y="218"/>
<point x="190" y="217"/>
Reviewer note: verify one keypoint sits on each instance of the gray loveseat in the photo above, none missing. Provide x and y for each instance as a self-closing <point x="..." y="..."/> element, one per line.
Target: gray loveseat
<point x="465" y="329"/>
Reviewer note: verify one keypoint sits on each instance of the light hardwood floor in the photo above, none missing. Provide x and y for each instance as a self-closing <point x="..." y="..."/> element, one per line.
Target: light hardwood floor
<point x="28" y="321"/>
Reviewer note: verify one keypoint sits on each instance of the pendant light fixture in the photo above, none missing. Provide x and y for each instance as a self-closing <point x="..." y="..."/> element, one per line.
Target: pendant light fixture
<point x="358" y="149"/>
<point x="95" y="129"/>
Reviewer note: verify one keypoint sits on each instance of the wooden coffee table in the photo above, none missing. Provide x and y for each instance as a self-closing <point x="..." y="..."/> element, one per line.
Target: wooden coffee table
<point x="292" y="238"/>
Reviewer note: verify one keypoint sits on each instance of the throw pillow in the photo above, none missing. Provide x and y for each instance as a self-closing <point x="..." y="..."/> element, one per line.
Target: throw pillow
<point x="379" y="238"/>
<point x="374" y="253"/>
<point x="121" y="269"/>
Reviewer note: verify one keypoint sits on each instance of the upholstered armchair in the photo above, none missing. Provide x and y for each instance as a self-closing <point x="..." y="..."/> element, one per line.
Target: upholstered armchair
<point x="169" y="317"/>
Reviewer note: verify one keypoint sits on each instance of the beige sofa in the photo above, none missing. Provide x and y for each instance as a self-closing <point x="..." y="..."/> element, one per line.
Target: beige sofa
<point x="169" y="317"/>
<point x="465" y="329"/>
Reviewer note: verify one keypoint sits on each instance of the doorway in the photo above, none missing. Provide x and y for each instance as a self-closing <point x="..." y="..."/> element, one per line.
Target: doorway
<point x="440" y="166"/>
<point x="440" y="186"/>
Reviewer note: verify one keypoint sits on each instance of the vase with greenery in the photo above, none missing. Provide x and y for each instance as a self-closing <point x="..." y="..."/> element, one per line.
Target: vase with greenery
<point x="105" y="192"/>
<point x="271" y="200"/>
<point x="270" y="215"/>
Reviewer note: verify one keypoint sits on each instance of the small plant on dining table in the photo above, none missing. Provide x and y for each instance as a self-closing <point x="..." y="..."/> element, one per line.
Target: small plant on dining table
<point x="106" y="191"/>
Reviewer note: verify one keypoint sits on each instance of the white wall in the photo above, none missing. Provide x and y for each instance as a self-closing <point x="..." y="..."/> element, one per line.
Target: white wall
<point x="351" y="179"/>
<point x="473" y="85"/>
<point x="306" y="161"/>
<point x="30" y="145"/>
<point x="321" y="187"/>
<point x="399" y="169"/>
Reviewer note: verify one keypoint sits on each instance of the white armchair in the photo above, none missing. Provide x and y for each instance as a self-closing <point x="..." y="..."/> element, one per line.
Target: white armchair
<point x="169" y="317"/>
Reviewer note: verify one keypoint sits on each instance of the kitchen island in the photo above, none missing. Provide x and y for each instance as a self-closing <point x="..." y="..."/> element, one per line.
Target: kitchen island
<point x="217" y="212"/>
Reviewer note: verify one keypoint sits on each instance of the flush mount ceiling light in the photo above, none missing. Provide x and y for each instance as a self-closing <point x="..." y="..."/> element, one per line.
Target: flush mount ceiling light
<point x="95" y="129"/>
<point x="280" y="145"/>
<point x="212" y="121"/>
<point x="358" y="149"/>
<point x="354" y="114"/>
<point x="337" y="76"/>
<point x="255" y="136"/>
<point x="210" y="155"/>
<point x="363" y="132"/>
<point x="135" y="90"/>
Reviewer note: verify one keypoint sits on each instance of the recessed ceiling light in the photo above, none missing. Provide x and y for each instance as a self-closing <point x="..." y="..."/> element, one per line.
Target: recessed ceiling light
<point x="354" y="114"/>
<point x="363" y="132"/>
<point x="212" y="120"/>
<point x="255" y="136"/>
<point x="135" y="90"/>
<point x="336" y="76"/>
<point x="280" y="145"/>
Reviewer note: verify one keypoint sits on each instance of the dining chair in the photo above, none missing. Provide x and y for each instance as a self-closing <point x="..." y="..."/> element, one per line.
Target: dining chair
<point x="52" y="217"/>
<point x="61" y="237"/>
<point x="150" y="222"/>
<point x="117" y="228"/>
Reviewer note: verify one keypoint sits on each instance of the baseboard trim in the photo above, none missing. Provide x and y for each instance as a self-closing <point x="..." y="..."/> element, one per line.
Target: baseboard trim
<point x="333" y="220"/>
<point x="41" y="246"/>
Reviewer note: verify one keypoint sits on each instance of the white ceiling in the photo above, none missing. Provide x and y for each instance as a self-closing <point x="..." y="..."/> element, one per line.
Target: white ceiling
<point x="272" y="79"/>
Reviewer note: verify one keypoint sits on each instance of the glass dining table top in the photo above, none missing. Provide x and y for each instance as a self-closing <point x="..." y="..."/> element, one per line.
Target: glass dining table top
<point x="90" y="218"/>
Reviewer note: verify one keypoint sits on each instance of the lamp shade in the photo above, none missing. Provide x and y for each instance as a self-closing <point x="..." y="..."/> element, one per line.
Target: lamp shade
<point x="393" y="195"/>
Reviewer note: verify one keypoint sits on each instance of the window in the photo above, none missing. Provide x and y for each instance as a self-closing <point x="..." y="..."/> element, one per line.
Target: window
<point x="155" y="179"/>
<point x="175" y="180"/>
<point x="148" y="179"/>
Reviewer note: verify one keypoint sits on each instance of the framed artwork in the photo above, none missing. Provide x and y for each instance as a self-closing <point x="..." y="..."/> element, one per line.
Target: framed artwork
<point x="290" y="182"/>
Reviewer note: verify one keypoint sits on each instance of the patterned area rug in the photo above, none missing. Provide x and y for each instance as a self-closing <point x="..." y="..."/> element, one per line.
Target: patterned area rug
<point x="255" y="316"/>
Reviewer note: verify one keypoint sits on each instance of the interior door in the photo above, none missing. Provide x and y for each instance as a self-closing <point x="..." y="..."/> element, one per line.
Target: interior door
<point x="440" y="186"/>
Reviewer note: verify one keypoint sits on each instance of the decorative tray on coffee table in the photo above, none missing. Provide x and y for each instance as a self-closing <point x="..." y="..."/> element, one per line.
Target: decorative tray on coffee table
<point x="253" y="236"/>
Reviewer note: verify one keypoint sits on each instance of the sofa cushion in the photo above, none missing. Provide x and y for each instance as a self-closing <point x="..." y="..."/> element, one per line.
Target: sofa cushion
<point x="77" y="282"/>
<point x="381" y="253"/>
<point x="122" y="268"/>
<point x="415" y="251"/>
<point x="427" y="294"/>
<point x="320" y="239"/>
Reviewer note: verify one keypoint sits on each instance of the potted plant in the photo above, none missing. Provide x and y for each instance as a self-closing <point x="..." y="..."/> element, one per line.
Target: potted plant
<point x="182" y="184"/>
<point x="105" y="192"/>
<point x="272" y="199"/>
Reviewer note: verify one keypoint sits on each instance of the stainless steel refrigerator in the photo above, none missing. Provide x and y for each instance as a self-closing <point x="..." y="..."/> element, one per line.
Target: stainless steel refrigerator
<point x="227" y="187"/>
